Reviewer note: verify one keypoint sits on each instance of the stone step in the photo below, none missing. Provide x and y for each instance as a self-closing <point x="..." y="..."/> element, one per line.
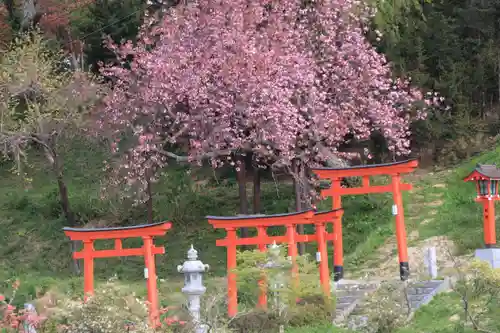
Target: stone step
<point x="356" y="293"/>
<point x="342" y="306"/>
<point x="355" y="286"/>
<point x="349" y="295"/>
<point x="417" y="298"/>
<point x="419" y="293"/>
<point x="347" y="298"/>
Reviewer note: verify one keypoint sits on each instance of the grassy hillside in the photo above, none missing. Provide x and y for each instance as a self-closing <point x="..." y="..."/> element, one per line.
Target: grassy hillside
<point x="32" y="242"/>
<point x="33" y="247"/>
<point x="455" y="213"/>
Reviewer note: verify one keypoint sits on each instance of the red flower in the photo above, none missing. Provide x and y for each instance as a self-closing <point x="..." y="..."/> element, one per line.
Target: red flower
<point x="2" y="298"/>
<point x="172" y="320"/>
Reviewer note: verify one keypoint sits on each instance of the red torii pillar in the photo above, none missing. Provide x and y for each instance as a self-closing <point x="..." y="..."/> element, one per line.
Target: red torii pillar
<point x="148" y="251"/>
<point x="262" y="222"/>
<point x="336" y="191"/>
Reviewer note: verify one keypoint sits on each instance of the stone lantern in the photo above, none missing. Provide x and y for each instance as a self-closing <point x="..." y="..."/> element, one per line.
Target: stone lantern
<point x="193" y="270"/>
<point x="273" y="262"/>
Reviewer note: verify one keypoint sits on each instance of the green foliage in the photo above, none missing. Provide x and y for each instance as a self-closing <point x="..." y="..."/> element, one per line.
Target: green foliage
<point x="317" y="328"/>
<point x="459" y="215"/>
<point x="251" y="267"/>
<point x="31" y="241"/>
<point x="451" y="48"/>
<point x="118" y="20"/>
<point x="388" y="309"/>
<point x="110" y="310"/>
<point x="257" y="321"/>
<point x="291" y="303"/>
<point x="38" y="95"/>
<point x="480" y="292"/>
<point x="472" y="306"/>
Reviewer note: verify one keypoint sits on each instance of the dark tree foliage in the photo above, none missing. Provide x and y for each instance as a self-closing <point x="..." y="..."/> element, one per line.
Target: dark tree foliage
<point x="451" y="46"/>
<point x="120" y="20"/>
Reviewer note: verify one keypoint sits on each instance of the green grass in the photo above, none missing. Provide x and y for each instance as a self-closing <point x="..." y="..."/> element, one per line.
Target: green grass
<point x="32" y="242"/>
<point x="459" y="217"/>
<point x="437" y="317"/>
<point x="33" y="245"/>
<point x="34" y="248"/>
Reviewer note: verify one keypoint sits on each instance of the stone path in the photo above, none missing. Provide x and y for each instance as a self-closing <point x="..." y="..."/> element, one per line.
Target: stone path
<point x="384" y="265"/>
<point x="349" y="294"/>
<point x="421" y="293"/>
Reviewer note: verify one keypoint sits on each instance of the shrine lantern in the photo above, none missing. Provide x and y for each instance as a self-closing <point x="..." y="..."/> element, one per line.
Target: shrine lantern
<point x="486" y="177"/>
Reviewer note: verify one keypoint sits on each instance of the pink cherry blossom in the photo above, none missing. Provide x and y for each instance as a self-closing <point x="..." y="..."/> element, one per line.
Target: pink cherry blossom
<point x="277" y="78"/>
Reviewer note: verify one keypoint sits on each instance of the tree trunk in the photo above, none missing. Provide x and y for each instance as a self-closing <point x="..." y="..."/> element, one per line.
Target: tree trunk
<point x="297" y="180"/>
<point x="498" y="72"/>
<point x="65" y="204"/>
<point x="149" y="202"/>
<point x="11" y="9"/>
<point x="256" y="191"/>
<point x="29" y="12"/>
<point x="242" y="191"/>
<point x="306" y="200"/>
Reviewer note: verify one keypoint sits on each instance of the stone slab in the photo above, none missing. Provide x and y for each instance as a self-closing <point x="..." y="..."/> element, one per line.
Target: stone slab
<point x="349" y="294"/>
<point x="491" y="256"/>
<point x="425" y="291"/>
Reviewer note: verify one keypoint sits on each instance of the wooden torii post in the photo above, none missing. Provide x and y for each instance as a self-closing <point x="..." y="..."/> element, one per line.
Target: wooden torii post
<point x="336" y="191"/>
<point x="148" y="251"/>
<point x="261" y="222"/>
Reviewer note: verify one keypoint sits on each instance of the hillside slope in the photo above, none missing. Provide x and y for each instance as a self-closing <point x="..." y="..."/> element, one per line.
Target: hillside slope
<point x="33" y="247"/>
<point x="32" y="242"/>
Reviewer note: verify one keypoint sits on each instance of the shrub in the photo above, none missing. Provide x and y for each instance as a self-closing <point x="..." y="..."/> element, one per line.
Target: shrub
<point x="109" y="310"/>
<point x="311" y="310"/>
<point x="257" y="322"/>
<point x="13" y="319"/>
<point x="479" y="289"/>
<point x="291" y="304"/>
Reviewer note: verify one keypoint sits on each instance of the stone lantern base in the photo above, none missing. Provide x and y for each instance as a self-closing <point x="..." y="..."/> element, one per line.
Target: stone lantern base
<point x="491" y="256"/>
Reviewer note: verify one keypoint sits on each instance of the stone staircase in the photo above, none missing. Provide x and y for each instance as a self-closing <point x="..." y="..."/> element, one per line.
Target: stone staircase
<point x="421" y="293"/>
<point x="350" y="296"/>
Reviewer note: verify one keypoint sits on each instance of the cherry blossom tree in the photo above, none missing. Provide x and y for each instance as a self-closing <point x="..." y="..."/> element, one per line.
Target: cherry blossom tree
<point x="286" y="81"/>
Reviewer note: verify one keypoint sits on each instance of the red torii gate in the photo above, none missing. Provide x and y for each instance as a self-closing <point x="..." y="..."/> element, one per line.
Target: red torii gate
<point x="148" y="251"/>
<point x="261" y="222"/>
<point x="336" y="191"/>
